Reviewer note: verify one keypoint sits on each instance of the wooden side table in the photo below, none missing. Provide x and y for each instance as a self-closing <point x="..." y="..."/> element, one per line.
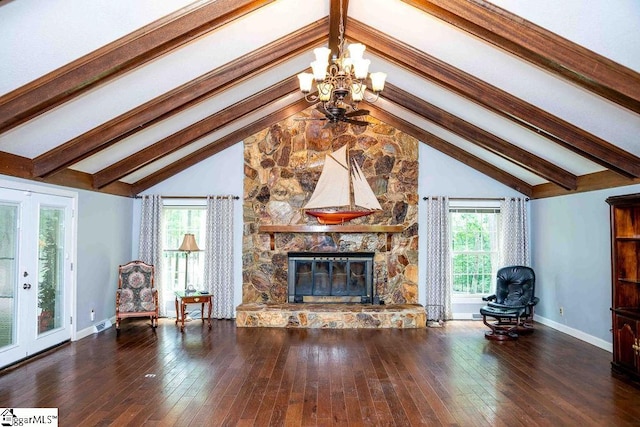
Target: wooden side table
<point x="183" y="298"/>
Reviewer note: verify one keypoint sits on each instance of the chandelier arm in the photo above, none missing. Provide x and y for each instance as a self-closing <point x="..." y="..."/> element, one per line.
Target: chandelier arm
<point x="372" y="99"/>
<point x="311" y="97"/>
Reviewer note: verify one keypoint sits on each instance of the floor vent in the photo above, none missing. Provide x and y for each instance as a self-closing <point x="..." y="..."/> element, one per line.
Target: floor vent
<point x="476" y="316"/>
<point x="99" y="327"/>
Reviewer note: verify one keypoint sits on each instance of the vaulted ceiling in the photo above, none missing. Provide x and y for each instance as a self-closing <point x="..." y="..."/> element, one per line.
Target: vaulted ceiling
<point x="121" y="98"/>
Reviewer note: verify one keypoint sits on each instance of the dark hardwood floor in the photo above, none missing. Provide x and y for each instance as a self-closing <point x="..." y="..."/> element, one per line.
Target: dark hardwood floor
<point x="268" y="377"/>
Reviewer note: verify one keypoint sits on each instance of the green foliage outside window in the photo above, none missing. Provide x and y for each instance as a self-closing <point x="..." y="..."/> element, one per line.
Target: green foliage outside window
<point x="179" y="220"/>
<point x="474" y="250"/>
<point x="50" y="268"/>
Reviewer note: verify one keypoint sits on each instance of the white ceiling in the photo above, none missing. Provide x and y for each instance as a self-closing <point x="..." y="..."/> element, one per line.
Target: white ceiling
<point x="40" y="36"/>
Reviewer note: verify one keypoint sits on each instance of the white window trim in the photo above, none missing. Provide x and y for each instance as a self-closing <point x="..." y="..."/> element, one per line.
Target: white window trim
<point x="471" y="204"/>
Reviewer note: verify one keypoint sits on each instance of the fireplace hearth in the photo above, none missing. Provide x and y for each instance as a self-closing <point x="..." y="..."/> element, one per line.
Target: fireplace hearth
<point x="330" y="277"/>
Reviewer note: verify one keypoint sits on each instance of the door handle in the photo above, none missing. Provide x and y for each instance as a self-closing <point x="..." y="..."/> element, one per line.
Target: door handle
<point x="26" y="286"/>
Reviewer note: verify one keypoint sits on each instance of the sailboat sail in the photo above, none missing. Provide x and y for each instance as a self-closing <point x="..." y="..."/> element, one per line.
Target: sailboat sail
<point x="331" y="190"/>
<point x="334" y="187"/>
<point x="362" y="193"/>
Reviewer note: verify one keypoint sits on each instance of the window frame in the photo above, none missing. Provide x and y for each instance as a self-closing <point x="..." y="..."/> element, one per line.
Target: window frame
<point x="195" y="259"/>
<point x="470" y="205"/>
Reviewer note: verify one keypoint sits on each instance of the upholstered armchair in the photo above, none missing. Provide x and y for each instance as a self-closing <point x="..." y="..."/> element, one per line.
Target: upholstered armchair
<point x="136" y="295"/>
<point x="512" y="306"/>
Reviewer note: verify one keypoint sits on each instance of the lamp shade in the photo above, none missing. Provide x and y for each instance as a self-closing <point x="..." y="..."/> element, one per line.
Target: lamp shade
<point x="189" y="243"/>
<point x="324" y="91"/>
<point x="356" y="50"/>
<point x="306" y="81"/>
<point x="361" y="68"/>
<point x="319" y="70"/>
<point x="322" y="54"/>
<point x="357" y="91"/>
<point x="377" y="81"/>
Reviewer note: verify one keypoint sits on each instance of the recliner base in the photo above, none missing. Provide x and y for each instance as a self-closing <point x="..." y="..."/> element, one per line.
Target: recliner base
<point x="501" y="335"/>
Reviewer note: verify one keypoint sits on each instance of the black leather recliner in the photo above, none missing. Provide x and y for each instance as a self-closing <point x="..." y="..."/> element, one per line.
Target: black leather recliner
<point x="512" y="305"/>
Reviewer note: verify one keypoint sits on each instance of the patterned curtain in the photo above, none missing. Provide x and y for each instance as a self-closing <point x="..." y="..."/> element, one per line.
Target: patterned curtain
<point x="150" y="249"/>
<point x="514" y="232"/>
<point x="438" y="260"/>
<point x="218" y="265"/>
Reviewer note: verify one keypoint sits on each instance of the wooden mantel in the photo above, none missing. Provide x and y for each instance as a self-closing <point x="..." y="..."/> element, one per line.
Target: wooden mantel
<point x="341" y="228"/>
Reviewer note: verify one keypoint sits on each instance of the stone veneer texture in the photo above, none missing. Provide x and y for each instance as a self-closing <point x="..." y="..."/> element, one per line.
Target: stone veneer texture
<point x="281" y="166"/>
<point x="331" y="316"/>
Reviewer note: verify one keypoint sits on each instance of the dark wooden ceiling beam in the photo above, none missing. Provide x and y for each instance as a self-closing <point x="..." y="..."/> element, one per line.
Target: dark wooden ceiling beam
<point x="21" y="167"/>
<point x="179" y="99"/>
<point x="480" y="137"/>
<point x="335" y="19"/>
<point x="539" y="46"/>
<point x="589" y="182"/>
<point x="118" y="57"/>
<point x="451" y="150"/>
<point x="14" y="165"/>
<point x="194" y="132"/>
<point x="84" y="181"/>
<point x="496" y="100"/>
<point x="219" y="145"/>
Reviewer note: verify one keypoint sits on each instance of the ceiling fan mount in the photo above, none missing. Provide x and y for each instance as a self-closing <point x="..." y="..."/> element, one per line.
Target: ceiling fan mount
<point x="335" y="114"/>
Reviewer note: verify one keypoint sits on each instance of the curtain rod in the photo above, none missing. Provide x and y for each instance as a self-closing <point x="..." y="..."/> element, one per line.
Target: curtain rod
<point x="195" y="197"/>
<point x="481" y="198"/>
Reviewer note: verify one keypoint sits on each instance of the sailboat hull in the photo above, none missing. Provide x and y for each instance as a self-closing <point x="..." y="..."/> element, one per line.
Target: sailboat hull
<point x="337" y="217"/>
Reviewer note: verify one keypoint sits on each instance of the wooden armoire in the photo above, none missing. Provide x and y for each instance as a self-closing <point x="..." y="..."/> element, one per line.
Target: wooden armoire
<point x="625" y="272"/>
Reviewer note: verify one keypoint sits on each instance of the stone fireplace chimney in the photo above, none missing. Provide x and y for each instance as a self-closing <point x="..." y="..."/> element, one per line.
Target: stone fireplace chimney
<point x="282" y="166"/>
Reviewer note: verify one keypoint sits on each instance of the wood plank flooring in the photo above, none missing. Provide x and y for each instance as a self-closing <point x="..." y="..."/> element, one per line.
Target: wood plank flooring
<point x="230" y="376"/>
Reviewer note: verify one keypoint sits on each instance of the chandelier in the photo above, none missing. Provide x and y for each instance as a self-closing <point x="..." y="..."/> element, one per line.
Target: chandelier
<point x="341" y="84"/>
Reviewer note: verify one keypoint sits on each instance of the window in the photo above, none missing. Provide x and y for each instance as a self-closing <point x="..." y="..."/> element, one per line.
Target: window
<point x="474" y="249"/>
<point x="177" y="221"/>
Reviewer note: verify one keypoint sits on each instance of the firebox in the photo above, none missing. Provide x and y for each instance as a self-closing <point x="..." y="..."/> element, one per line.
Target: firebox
<point x="331" y="277"/>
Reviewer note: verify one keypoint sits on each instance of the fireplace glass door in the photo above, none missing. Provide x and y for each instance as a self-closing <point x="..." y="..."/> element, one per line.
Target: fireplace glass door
<point x="335" y="277"/>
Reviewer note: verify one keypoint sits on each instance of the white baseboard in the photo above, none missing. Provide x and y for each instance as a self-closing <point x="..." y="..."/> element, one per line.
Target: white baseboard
<point x="467" y="316"/>
<point x="91" y="329"/>
<point x="598" y="342"/>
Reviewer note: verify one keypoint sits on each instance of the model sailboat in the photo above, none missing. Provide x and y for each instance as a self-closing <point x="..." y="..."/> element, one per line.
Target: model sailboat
<point x="333" y="191"/>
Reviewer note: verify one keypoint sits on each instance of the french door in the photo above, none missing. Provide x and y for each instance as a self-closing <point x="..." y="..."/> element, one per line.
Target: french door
<point x="36" y="292"/>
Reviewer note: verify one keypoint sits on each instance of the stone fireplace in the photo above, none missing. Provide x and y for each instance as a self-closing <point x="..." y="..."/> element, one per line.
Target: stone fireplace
<point x="282" y="166"/>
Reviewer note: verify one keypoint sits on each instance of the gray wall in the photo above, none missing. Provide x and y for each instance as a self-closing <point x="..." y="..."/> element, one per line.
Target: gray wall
<point x="571" y="254"/>
<point x="104" y="242"/>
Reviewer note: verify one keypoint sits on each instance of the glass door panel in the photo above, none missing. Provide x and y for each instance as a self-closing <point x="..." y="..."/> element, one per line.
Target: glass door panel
<point x="50" y="315"/>
<point x="8" y="273"/>
<point x="50" y="269"/>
